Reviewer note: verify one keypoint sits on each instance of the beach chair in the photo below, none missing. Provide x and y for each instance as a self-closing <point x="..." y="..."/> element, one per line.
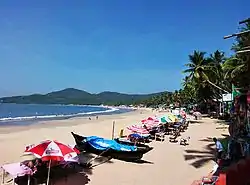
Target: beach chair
<point x="182" y="128"/>
<point x="16" y="170"/>
<point x="184" y="141"/>
<point x="173" y="137"/>
<point x="185" y="125"/>
<point x="168" y="129"/>
<point x="160" y="136"/>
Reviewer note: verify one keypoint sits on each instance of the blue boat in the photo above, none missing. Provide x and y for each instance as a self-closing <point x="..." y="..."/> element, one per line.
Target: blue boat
<point x="111" y="148"/>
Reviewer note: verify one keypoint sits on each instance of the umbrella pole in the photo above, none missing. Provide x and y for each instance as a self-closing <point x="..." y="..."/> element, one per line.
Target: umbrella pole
<point x="48" y="172"/>
<point x="3" y="176"/>
<point x="28" y="179"/>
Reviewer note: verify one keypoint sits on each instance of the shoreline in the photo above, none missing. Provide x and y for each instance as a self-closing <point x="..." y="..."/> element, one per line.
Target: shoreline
<point x="23" y="135"/>
<point x="30" y="120"/>
<point x="11" y="128"/>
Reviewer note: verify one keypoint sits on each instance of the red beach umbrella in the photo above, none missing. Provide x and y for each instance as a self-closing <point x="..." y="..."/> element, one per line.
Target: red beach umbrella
<point x="51" y="151"/>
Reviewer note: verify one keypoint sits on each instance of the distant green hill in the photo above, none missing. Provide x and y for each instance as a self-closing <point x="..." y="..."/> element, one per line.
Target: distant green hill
<point x="76" y="96"/>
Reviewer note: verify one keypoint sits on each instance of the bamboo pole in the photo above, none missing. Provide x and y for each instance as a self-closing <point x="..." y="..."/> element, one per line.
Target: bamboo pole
<point x="236" y="34"/>
<point x="243" y="51"/>
<point x="113" y="130"/>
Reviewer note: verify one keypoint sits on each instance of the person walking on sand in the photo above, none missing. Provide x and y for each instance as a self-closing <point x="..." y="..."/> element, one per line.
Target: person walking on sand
<point x="219" y="148"/>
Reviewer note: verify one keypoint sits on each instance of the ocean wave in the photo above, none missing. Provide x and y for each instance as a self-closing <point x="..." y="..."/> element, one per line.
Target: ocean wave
<point x="110" y="109"/>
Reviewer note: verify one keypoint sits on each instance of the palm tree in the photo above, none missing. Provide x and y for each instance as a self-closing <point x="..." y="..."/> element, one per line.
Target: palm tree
<point x="199" y="69"/>
<point x="217" y="59"/>
<point x="237" y="68"/>
<point x="233" y="67"/>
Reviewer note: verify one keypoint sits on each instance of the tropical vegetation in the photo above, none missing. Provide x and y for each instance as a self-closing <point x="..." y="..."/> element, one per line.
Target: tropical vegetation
<point x="208" y="76"/>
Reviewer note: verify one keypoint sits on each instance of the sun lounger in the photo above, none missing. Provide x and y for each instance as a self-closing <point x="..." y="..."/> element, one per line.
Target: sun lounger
<point x="173" y="137"/>
<point x="160" y="136"/>
<point x="184" y="141"/>
<point x="185" y="125"/>
<point x="16" y="170"/>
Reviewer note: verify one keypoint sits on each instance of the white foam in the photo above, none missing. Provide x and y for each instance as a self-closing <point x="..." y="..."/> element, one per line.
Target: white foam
<point x="58" y="116"/>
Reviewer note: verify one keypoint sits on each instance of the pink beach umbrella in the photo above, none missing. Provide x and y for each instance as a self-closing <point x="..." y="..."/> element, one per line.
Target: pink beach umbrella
<point x="150" y="120"/>
<point x="137" y="129"/>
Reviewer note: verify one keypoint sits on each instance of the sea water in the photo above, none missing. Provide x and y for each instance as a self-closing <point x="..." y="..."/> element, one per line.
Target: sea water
<point x="24" y="113"/>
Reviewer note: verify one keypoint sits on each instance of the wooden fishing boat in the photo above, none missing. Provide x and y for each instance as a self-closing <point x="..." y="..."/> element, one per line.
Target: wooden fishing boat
<point x="111" y="148"/>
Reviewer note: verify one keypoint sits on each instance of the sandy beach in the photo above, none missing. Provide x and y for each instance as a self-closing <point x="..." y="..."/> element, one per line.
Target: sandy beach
<point x="168" y="163"/>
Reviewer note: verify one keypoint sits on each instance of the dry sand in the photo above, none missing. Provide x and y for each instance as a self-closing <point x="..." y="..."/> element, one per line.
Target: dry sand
<point x="168" y="163"/>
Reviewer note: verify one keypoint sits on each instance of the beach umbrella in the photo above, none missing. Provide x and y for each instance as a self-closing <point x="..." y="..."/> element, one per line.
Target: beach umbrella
<point x="171" y="117"/>
<point x="163" y="120"/>
<point x="137" y="129"/>
<point x="52" y="151"/>
<point x="150" y="118"/>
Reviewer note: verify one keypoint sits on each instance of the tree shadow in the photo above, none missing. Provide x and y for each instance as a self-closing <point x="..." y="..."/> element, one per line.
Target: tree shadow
<point x="208" y="139"/>
<point x="222" y="128"/>
<point x="195" y="121"/>
<point x="140" y="161"/>
<point x="200" y="158"/>
<point x="222" y="122"/>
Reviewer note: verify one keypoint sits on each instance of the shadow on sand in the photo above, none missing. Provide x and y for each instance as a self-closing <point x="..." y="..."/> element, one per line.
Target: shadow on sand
<point x="96" y="161"/>
<point x="200" y="158"/>
<point x="73" y="179"/>
<point x="141" y="161"/>
<point x="195" y="121"/>
<point x="222" y="124"/>
<point x="71" y="175"/>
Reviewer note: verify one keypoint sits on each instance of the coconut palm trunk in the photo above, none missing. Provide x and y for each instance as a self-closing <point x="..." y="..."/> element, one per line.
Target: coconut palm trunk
<point x="217" y="86"/>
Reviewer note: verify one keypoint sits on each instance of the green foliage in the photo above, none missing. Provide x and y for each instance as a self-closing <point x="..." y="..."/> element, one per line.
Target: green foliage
<point x="210" y="76"/>
<point x="237" y="67"/>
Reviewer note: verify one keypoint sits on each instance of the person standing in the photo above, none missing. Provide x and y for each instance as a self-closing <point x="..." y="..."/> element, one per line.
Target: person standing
<point x="219" y="148"/>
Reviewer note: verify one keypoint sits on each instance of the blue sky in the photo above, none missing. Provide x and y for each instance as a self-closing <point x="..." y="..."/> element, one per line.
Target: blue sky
<point x="132" y="46"/>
